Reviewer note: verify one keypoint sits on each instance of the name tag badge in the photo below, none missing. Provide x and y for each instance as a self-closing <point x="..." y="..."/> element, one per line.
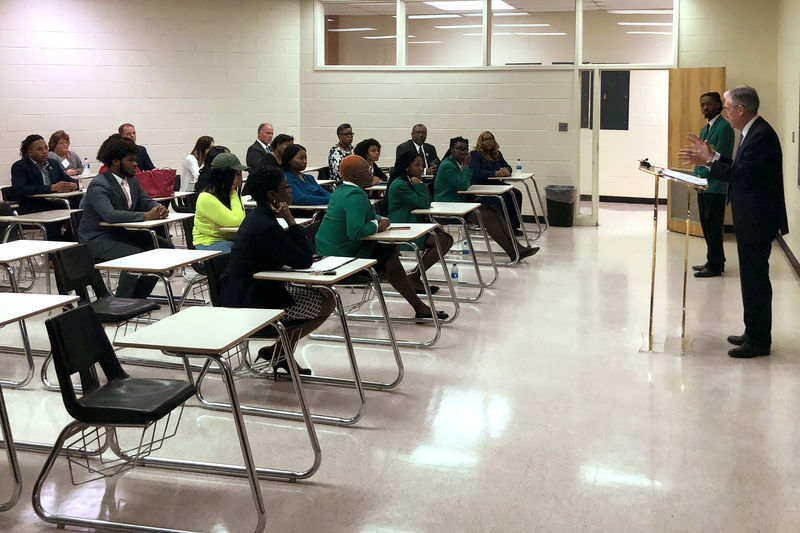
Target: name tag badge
<point x="65" y="164"/>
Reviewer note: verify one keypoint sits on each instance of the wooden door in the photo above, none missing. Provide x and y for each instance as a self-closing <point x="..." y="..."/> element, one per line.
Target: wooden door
<point x="685" y="87"/>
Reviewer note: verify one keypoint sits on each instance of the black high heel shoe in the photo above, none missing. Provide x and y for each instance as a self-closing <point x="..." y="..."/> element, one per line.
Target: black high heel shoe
<point x="441" y="315"/>
<point x="284" y="365"/>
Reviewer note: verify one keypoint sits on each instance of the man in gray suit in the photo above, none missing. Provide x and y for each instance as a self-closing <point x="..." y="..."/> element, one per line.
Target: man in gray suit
<point x="116" y="196"/>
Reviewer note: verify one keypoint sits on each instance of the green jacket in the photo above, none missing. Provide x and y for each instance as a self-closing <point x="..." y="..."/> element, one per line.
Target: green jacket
<point x="450" y="180"/>
<point x="347" y="221"/>
<point x="404" y="197"/>
<point x="720" y="138"/>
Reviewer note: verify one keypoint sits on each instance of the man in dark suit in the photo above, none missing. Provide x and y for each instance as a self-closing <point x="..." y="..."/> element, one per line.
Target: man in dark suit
<point x="257" y="152"/>
<point x="116" y="196"/>
<point x="128" y="131"/>
<point x="34" y="173"/>
<point x="755" y="178"/>
<point x="419" y="133"/>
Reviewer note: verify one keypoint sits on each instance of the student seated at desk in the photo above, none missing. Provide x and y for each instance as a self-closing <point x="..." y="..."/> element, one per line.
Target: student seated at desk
<point x="36" y="173"/>
<point x="454" y="175"/>
<point x="350" y="219"/>
<point x="370" y="149"/>
<point x="305" y="189"/>
<point x="113" y="197"/>
<point x="261" y="244"/>
<point x="487" y="161"/>
<point x="220" y="205"/>
<point x="407" y="192"/>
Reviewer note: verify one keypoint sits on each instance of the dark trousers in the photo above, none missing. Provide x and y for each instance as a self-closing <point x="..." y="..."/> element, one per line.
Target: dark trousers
<point x="512" y="213"/>
<point x="127" y="243"/>
<point x="756" y="291"/>
<point x="712" y="220"/>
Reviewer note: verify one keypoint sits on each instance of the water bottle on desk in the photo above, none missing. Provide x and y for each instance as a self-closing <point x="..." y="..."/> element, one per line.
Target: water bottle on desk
<point x="454" y="273"/>
<point x="518" y="170"/>
<point x="85" y="167"/>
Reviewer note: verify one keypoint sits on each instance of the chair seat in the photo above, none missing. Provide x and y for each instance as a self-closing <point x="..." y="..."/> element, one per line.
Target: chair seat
<point x="112" y="309"/>
<point x="133" y="400"/>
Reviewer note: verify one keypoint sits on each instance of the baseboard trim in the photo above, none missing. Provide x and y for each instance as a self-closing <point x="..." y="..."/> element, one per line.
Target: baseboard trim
<point x="623" y="199"/>
<point x="789" y="255"/>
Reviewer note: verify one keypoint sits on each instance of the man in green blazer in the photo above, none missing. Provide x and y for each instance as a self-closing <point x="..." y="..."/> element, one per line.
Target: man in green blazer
<point x="719" y="134"/>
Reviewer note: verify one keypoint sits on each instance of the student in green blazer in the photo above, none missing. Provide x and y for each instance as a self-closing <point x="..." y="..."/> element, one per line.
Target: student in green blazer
<point x="719" y="134"/>
<point x="454" y="175"/>
<point x="407" y="192"/>
<point x="350" y="218"/>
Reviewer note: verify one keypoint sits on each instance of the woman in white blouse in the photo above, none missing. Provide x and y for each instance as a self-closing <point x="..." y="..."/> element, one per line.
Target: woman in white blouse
<point x="190" y="169"/>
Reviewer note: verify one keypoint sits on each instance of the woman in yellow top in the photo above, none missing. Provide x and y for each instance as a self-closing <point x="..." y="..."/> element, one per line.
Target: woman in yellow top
<point x="220" y="205"/>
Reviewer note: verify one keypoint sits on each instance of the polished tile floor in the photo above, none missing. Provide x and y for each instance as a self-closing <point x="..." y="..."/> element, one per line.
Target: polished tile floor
<point x="539" y="410"/>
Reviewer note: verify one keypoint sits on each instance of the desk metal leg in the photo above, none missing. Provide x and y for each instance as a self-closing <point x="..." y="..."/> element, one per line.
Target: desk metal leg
<point x="13" y="463"/>
<point x="28" y="357"/>
<point x="173" y="308"/>
<point x="539" y="199"/>
<point x="514" y="242"/>
<point x="539" y="230"/>
<point x="521" y="222"/>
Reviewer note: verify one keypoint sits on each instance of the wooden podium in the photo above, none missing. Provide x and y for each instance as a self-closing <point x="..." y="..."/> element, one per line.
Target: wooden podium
<point x="689" y="182"/>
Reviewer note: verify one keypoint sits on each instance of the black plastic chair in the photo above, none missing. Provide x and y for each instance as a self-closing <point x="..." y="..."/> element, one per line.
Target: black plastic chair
<point x="79" y="344"/>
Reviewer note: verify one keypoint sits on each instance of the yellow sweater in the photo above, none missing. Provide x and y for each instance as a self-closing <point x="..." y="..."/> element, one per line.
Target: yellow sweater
<point x="210" y="215"/>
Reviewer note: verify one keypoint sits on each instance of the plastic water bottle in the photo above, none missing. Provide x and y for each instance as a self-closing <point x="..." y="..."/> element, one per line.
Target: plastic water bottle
<point x="85" y="167"/>
<point x="465" y="249"/>
<point x="454" y="273"/>
<point x="518" y="170"/>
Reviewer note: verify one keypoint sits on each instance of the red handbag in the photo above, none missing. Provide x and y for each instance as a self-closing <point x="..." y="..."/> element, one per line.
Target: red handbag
<point x="157" y="183"/>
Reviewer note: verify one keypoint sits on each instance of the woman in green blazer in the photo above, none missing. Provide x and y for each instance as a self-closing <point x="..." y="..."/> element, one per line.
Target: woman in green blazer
<point x="454" y="175"/>
<point x="407" y="192"/>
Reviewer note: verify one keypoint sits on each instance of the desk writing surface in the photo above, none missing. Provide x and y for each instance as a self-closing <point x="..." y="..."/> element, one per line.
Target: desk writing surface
<point x="377" y="188"/>
<point x="321" y="207"/>
<point x="158" y="260"/>
<point x="58" y="195"/>
<point x="325" y="182"/>
<point x="16" y="306"/>
<point x="418" y="229"/>
<point x="43" y="217"/>
<point x="148" y="224"/>
<point x="448" y="208"/>
<point x="24" y="248"/>
<point x="342" y="272"/>
<point x="487" y="189"/>
<point x="299" y="220"/>
<point x="174" y="196"/>
<point x="201" y="330"/>
<point x="514" y="177"/>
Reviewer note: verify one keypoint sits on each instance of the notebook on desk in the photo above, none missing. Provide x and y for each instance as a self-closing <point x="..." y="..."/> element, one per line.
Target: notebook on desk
<point x="326" y="264"/>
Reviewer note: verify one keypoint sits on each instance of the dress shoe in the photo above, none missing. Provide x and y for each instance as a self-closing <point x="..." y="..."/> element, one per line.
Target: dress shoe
<point x="528" y="251"/>
<point x="421" y="316"/>
<point x="707" y="273"/>
<point x="737" y="340"/>
<point x="518" y="232"/>
<point x="434" y="290"/>
<point x="698" y="268"/>
<point x="748" y="351"/>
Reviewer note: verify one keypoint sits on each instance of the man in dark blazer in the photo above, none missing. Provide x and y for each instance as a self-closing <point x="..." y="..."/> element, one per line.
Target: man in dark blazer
<point x="116" y="196"/>
<point x="128" y="131"/>
<point x="419" y="133"/>
<point x="257" y="152"/>
<point x="35" y="173"/>
<point x="755" y="178"/>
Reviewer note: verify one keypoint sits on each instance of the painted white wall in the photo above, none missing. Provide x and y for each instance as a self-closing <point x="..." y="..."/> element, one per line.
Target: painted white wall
<point x="789" y="112"/>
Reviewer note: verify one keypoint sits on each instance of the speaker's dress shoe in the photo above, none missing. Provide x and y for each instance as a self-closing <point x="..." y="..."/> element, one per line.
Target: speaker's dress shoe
<point x="747" y="351"/>
<point x="737" y="340"/>
<point x="698" y="268"/>
<point x="707" y="272"/>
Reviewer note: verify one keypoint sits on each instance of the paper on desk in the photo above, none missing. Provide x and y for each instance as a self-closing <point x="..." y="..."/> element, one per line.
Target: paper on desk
<point x="326" y="263"/>
<point x="688" y="178"/>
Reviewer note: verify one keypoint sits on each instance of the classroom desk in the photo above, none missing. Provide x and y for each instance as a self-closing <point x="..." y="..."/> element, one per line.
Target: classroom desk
<point x="378" y="188"/>
<point x="211" y="333"/>
<point x="177" y="195"/>
<point x="62" y="196"/>
<point x="11" y="252"/>
<point x="37" y="219"/>
<point x="284" y="225"/>
<point x="16" y="308"/>
<point x="497" y="191"/>
<point x="523" y="178"/>
<point x="158" y="262"/>
<point x="150" y="225"/>
<point x="459" y="210"/>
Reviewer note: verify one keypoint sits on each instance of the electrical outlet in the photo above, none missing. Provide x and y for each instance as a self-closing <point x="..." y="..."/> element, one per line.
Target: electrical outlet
<point x="563" y="126"/>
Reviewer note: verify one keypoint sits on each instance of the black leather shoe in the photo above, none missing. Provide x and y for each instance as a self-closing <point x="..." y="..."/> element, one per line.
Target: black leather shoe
<point x="421" y="316"/>
<point x="737" y="340"/>
<point x="434" y="290"/>
<point x="518" y="232"/>
<point x="707" y="273"/>
<point x="698" y="268"/>
<point x="748" y="351"/>
<point x="528" y="251"/>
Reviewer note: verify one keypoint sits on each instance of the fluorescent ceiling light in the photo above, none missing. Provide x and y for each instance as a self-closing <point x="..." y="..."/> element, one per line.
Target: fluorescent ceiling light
<point x="495" y="33"/>
<point x="639" y="12"/>
<point x="424" y="42"/>
<point x="515" y="14"/>
<point x="520" y="25"/>
<point x="469" y="5"/>
<point x="352" y="29"/>
<point x="442" y="16"/>
<point x="644" y="23"/>
<point x="649" y="32"/>
<point x="544" y="34"/>
<point x="380" y="37"/>
<point x="459" y="26"/>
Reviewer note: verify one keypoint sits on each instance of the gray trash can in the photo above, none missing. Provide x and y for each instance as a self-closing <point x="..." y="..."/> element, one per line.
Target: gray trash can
<point x="560" y="204"/>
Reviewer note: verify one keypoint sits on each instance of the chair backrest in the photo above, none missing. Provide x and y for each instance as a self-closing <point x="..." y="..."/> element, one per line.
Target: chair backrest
<point x="7" y="193"/>
<point x="79" y="342"/>
<point x="188" y="228"/>
<point x="75" y="221"/>
<point x="74" y="270"/>
<point x="324" y="173"/>
<point x="215" y="268"/>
